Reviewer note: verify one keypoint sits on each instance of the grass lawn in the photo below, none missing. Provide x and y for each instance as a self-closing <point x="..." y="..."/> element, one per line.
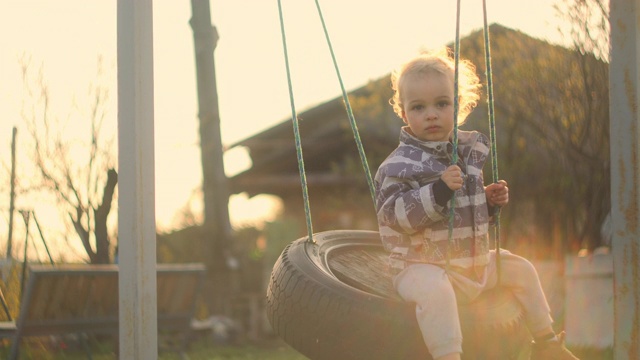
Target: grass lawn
<point x="273" y="350"/>
<point x="205" y="350"/>
<point x="33" y="349"/>
<point x="590" y="354"/>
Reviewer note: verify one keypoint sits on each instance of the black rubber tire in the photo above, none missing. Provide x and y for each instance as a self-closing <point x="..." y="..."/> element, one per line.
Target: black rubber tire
<point x="324" y="318"/>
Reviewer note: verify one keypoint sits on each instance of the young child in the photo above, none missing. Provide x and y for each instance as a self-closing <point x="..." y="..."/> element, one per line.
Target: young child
<point x="413" y="188"/>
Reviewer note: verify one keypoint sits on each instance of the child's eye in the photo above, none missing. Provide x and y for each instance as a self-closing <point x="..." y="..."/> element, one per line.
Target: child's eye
<point x="442" y="104"/>
<point x="417" y="107"/>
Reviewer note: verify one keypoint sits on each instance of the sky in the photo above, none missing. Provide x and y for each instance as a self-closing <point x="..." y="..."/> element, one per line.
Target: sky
<point x="369" y="38"/>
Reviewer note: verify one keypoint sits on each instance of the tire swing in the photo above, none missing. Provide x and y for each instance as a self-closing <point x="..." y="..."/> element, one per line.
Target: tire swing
<point x="330" y="296"/>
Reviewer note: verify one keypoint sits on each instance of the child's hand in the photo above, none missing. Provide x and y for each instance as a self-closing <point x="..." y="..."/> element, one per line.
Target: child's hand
<point x="497" y="193"/>
<point x="452" y="177"/>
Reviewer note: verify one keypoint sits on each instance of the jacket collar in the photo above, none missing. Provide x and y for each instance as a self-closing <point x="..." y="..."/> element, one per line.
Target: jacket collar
<point x="439" y="148"/>
<point x="436" y="148"/>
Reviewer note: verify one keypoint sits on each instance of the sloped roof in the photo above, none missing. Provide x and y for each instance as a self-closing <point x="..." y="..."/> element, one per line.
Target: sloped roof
<point x="326" y="139"/>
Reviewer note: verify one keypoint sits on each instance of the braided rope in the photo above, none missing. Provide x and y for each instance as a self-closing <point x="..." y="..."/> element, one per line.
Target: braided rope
<point x="456" y="105"/>
<point x="352" y="121"/>
<point x="296" y="131"/>
<point x="492" y="129"/>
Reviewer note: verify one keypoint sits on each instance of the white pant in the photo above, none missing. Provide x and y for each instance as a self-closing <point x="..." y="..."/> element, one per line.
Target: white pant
<point x="429" y="287"/>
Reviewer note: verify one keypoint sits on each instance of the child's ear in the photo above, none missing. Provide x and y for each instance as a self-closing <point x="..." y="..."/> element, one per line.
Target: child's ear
<point x="404" y="118"/>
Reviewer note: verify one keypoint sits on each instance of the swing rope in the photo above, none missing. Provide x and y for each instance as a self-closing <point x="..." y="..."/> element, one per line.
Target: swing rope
<point x="296" y="131"/>
<point x="456" y="106"/>
<point x="492" y="133"/>
<point x="352" y="121"/>
<point x="296" y="127"/>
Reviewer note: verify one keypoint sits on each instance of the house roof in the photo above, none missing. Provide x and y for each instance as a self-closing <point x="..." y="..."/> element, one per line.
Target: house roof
<point x="326" y="139"/>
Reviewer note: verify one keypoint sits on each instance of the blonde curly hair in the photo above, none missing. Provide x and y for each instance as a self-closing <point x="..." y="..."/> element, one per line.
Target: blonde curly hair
<point x="440" y="61"/>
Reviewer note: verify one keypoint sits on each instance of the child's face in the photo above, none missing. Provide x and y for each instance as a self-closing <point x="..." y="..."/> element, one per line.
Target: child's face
<point x="428" y="106"/>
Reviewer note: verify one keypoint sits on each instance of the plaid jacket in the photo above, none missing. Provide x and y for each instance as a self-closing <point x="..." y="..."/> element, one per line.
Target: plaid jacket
<point x="413" y="227"/>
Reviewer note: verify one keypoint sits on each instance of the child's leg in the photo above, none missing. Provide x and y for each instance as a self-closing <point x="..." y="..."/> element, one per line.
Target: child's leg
<point x="521" y="277"/>
<point x="436" y="309"/>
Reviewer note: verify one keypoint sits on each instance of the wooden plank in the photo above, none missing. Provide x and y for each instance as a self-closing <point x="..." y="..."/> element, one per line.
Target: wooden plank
<point x="36" y="305"/>
<point x="84" y="298"/>
<point x="183" y="286"/>
<point x="76" y="305"/>
<point x="103" y="296"/>
<point x="164" y="291"/>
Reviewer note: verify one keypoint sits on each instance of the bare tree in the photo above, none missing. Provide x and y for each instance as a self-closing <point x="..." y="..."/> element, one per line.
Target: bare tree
<point x="587" y="24"/>
<point x="589" y="31"/>
<point x="80" y="174"/>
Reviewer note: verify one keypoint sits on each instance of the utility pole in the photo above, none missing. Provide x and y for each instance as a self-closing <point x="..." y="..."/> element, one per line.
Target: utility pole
<point x="12" y="193"/>
<point x="215" y="188"/>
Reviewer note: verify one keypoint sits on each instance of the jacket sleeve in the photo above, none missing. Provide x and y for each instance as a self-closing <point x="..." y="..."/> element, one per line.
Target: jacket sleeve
<point x="405" y="206"/>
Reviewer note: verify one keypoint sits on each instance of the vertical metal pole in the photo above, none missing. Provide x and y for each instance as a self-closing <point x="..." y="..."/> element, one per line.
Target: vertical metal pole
<point x="25" y="260"/>
<point x="136" y="211"/>
<point x="625" y="175"/>
<point x="44" y="242"/>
